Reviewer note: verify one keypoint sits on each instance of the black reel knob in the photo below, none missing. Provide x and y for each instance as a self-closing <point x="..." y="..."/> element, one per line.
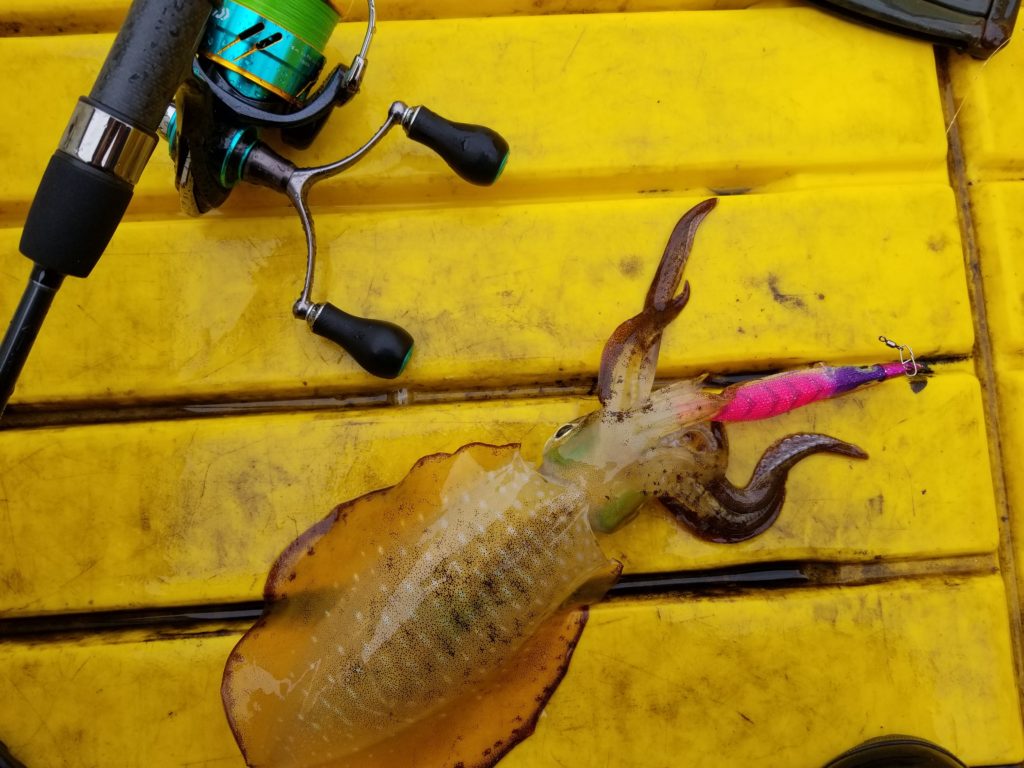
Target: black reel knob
<point x="475" y="152"/>
<point x="381" y="348"/>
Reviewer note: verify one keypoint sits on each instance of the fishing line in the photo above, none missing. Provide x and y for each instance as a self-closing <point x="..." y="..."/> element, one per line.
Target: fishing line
<point x="971" y="86"/>
<point x="310" y="20"/>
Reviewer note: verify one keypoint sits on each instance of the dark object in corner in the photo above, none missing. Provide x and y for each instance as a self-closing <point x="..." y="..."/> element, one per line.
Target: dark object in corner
<point x="7" y="760"/>
<point x="979" y="27"/>
<point x="896" y="752"/>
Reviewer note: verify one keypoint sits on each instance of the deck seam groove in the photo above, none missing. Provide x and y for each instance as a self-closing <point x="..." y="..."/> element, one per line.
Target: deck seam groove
<point x="984" y="359"/>
<point x="27" y="416"/>
<point x="541" y="192"/>
<point x="178" y="621"/>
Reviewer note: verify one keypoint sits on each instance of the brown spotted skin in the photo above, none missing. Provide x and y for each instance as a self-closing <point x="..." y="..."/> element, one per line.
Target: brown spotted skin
<point x="407" y="603"/>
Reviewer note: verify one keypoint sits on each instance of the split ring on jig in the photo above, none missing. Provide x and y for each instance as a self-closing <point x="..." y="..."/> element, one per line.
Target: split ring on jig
<point x="907" y="359"/>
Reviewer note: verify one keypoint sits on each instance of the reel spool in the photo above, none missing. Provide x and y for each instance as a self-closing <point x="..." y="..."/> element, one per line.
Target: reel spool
<point x="270" y="51"/>
<point x="257" y="68"/>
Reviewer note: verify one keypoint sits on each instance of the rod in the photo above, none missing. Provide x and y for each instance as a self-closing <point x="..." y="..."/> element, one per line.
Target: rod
<point x="21" y="333"/>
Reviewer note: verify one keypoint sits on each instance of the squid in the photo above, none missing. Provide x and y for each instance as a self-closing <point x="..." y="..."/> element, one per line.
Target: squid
<point x="426" y="625"/>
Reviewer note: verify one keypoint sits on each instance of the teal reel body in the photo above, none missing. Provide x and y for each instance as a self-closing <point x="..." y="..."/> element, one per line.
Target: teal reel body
<point x="261" y="59"/>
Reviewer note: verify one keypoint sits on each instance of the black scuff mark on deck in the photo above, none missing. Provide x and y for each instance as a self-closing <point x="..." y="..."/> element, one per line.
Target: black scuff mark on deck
<point x="784" y="299"/>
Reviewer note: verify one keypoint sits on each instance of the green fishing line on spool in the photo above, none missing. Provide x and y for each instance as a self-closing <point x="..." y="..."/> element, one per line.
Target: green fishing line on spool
<point x="270" y="48"/>
<point x="310" y="20"/>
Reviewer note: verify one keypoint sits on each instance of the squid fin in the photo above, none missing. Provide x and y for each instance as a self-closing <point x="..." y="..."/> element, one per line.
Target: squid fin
<point x="313" y="570"/>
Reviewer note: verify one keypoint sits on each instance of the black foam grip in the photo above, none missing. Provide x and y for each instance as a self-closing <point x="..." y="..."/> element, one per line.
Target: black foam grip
<point x="380" y="347"/>
<point x="149" y="59"/>
<point x="73" y="216"/>
<point x="77" y="207"/>
<point x="475" y="152"/>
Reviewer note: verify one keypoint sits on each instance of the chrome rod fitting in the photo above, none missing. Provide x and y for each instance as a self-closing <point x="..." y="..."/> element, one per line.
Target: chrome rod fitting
<point x="106" y="142"/>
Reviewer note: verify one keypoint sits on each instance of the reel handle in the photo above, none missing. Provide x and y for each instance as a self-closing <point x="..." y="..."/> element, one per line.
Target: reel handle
<point x="380" y="347"/>
<point x="475" y="152"/>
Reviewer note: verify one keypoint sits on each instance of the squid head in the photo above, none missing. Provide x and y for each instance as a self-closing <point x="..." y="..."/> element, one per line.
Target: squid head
<point x="671" y="444"/>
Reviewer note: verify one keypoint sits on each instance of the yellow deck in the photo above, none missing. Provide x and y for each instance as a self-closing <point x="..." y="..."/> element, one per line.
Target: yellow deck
<point x="175" y="428"/>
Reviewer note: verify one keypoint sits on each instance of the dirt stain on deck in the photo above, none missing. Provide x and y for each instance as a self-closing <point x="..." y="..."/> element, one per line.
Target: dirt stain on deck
<point x="630" y="266"/>
<point x="784" y="299"/>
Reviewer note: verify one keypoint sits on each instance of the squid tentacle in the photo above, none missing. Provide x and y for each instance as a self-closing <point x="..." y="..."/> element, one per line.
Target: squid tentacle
<point x="722" y="512"/>
<point x="677" y="252"/>
<point x="627" y="370"/>
<point x="630" y="357"/>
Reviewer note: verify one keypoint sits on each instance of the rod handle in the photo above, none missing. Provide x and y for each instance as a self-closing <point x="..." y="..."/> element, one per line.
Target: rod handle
<point x="111" y="134"/>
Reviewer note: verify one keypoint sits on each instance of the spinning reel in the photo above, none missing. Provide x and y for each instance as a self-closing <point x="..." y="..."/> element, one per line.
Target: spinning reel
<point x="232" y="69"/>
<point x="256" y="68"/>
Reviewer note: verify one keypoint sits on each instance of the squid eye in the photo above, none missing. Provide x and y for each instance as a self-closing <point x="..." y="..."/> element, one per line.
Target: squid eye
<point x="564" y="430"/>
